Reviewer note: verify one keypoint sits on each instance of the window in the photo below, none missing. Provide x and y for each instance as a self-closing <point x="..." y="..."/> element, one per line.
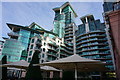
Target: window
<point x="42" y="55"/>
<point x="31" y="47"/>
<point x="30" y="53"/>
<point x="32" y="40"/>
<point x="44" y="44"/>
<point x="29" y="59"/>
<point x="43" y="49"/>
<point x="42" y="61"/>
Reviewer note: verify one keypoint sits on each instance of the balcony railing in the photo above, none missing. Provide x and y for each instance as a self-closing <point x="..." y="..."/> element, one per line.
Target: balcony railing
<point x="13" y="34"/>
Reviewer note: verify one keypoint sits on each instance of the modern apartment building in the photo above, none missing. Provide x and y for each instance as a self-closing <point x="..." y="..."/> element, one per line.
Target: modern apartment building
<point x="48" y="47"/>
<point x="53" y="47"/>
<point x="16" y="46"/>
<point x="91" y="41"/>
<point x="112" y="21"/>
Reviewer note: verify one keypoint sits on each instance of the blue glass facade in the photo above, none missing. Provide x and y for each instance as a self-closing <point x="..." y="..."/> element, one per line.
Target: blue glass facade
<point x="13" y="49"/>
<point x="16" y="47"/>
<point x="24" y="37"/>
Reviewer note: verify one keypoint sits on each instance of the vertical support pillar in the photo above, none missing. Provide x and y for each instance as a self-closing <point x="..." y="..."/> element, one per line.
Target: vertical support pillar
<point x="51" y="74"/>
<point x="76" y="72"/>
<point x="74" y="38"/>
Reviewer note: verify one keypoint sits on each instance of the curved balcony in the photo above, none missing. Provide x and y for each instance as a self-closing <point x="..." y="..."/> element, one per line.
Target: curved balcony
<point x="69" y="29"/>
<point x="88" y="37"/>
<point x="92" y="49"/>
<point x="69" y="44"/>
<point x="87" y="41"/>
<point x="51" y="54"/>
<point x="91" y="54"/>
<point x="68" y="48"/>
<point x="53" y="44"/>
<point x="37" y="49"/>
<point x="79" y="43"/>
<point x="69" y="52"/>
<point x="63" y="54"/>
<point x="102" y="58"/>
<point x="90" y="45"/>
<point x="69" y="39"/>
<point x="68" y="32"/>
<point x="93" y="32"/>
<point x="53" y="49"/>
<point x="70" y="35"/>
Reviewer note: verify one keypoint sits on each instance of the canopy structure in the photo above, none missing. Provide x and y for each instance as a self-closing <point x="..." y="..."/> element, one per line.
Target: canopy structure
<point x="49" y="68"/>
<point x="22" y="64"/>
<point x="75" y="62"/>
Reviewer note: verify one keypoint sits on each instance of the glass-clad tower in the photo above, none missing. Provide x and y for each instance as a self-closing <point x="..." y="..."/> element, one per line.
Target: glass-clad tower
<point x="92" y="42"/>
<point x="64" y="26"/>
<point x="64" y="15"/>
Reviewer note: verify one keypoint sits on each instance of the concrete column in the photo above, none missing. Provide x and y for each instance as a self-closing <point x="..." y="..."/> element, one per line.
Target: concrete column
<point x="74" y="38"/>
<point x="51" y="74"/>
<point x="87" y="25"/>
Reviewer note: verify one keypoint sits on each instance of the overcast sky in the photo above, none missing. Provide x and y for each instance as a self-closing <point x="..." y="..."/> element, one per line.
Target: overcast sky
<point x="24" y="13"/>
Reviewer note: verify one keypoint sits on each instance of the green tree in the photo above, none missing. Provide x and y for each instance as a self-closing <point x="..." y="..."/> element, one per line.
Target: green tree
<point x="34" y="72"/>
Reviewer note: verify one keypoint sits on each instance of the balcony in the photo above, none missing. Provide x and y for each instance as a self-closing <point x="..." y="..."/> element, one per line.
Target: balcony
<point x="63" y="54"/>
<point x="69" y="29"/>
<point x="52" y="49"/>
<point x="52" y="54"/>
<point x="91" y="54"/>
<point x="69" y="44"/>
<point x="53" y="44"/>
<point x="68" y="39"/>
<point x="70" y="35"/>
<point x="68" y="32"/>
<point x="70" y="52"/>
<point x="90" y="45"/>
<point x="92" y="49"/>
<point x="37" y="49"/>
<point x="13" y="35"/>
<point x="39" y="43"/>
<point x="102" y="39"/>
<point x="87" y="41"/>
<point x="69" y="48"/>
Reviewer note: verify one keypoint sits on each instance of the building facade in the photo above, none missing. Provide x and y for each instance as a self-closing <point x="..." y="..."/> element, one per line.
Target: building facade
<point x="91" y="41"/>
<point x="49" y="48"/>
<point x="16" y="46"/>
<point x="112" y="21"/>
<point x="65" y="18"/>
<point x="53" y="47"/>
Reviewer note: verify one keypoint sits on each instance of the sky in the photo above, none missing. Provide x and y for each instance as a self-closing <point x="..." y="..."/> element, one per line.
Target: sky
<point x="24" y="13"/>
